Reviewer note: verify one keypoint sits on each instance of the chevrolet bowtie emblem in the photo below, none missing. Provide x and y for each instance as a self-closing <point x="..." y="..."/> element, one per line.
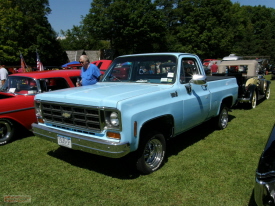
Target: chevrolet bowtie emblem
<point x="66" y="115"/>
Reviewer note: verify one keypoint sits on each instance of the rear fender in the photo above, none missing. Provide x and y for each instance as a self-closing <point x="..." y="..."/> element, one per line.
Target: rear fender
<point x="250" y="90"/>
<point x="228" y="102"/>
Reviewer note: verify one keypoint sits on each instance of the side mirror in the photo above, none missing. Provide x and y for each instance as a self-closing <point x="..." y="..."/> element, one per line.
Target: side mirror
<point x="198" y="79"/>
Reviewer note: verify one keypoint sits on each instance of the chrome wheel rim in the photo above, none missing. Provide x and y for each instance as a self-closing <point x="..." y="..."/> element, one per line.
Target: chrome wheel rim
<point x="253" y="101"/>
<point x="267" y="94"/>
<point x="224" y="118"/>
<point x="153" y="153"/>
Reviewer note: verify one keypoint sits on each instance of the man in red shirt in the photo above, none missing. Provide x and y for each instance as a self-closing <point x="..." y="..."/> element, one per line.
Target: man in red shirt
<point x="214" y="68"/>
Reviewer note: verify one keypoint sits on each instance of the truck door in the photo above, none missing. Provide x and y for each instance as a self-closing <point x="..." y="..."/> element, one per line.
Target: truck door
<point x="196" y="101"/>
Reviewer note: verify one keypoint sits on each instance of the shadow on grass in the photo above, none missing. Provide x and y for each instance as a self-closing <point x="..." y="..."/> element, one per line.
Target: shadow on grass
<point x="124" y="168"/>
<point x="251" y="200"/>
<point x="245" y="106"/>
<point x="118" y="168"/>
<point x="190" y="137"/>
<point x="21" y="133"/>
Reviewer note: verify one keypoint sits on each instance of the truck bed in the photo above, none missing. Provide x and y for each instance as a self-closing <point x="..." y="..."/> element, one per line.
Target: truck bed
<point x="218" y="77"/>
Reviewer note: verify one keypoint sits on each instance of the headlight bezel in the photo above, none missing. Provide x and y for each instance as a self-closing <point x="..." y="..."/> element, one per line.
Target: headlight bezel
<point x="112" y="119"/>
<point x="38" y="111"/>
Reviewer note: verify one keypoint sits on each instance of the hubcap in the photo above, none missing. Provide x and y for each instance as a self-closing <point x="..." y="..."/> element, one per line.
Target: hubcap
<point x="267" y="94"/>
<point x="153" y="153"/>
<point x="253" y="102"/>
<point x="2" y="132"/>
<point x="224" y="118"/>
<point x="5" y="130"/>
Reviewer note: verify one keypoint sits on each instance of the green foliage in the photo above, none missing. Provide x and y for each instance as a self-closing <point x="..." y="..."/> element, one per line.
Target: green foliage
<point x="203" y="27"/>
<point x="130" y="26"/>
<point x="258" y="34"/>
<point x="25" y="28"/>
<point x="77" y="38"/>
<point x="209" y="28"/>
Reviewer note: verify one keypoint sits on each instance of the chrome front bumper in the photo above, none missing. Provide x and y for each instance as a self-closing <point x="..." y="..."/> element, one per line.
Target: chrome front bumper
<point x="264" y="193"/>
<point x="84" y="143"/>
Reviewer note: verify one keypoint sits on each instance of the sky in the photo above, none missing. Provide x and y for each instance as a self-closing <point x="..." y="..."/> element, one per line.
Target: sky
<point x="66" y="13"/>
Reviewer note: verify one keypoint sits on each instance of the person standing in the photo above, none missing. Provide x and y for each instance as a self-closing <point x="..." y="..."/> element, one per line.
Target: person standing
<point x="3" y="74"/>
<point x="214" y="68"/>
<point x="90" y="73"/>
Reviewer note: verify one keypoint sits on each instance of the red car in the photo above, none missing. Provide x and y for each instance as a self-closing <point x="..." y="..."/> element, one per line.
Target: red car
<point x="17" y="98"/>
<point x="206" y="62"/>
<point x="102" y="65"/>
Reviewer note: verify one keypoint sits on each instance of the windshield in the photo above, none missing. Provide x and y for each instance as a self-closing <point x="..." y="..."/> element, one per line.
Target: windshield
<point x="20" y="85"/>
<point x="159" y="69"/>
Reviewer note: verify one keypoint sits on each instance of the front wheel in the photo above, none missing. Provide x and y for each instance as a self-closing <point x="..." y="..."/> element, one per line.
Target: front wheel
<point x="151" y="153"/>
<point x="6" y="131"/>
<point x="223" y="117"/>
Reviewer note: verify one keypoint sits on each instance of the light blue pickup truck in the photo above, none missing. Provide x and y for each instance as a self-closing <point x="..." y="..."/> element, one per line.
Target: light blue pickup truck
<point x="142" y="101"/>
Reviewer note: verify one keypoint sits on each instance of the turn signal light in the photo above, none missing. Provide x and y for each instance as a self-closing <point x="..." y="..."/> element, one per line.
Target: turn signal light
<point x="40" y="120"/>
<point x="113" y="135"/>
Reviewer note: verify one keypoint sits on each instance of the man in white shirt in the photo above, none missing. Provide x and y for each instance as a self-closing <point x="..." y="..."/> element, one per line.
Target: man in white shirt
<point x="3" y="75"/>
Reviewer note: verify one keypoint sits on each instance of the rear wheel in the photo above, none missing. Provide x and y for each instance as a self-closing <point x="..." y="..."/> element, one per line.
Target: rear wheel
<point x="222" y="118"/>
<point x="253" y="102"/>
<point x="263" y="85"/>
<point x="267" y="93"/>
<point x="151" y="153"/>
<point x="6" y="131"/>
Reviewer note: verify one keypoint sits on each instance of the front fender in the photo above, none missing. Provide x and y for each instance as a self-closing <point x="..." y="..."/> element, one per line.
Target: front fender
<point x="24" y="116"/>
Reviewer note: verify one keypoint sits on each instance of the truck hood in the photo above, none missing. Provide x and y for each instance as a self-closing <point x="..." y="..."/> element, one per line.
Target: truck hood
<point x="102" y="94"/>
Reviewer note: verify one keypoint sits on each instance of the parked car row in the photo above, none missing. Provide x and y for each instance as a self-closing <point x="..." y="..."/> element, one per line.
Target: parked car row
<point x="18" y="93"/>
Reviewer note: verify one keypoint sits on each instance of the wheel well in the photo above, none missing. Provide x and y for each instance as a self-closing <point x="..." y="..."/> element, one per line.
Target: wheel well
<point x="163" y="124"/>
<point x="228" y="101"/>
<point x="11" y="120"/>
<point x="16" y="124"/>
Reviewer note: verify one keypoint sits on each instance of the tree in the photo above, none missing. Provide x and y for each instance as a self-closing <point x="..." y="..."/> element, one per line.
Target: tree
<point x="131" y="26"/>
<point x="203" y="27"/>
<point x="76" y="38"/>
<point x="256" y="33"/>
<point x="25" y="28"/>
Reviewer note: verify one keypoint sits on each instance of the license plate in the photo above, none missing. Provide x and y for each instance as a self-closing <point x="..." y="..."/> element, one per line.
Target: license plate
<point x="64" y="141"/>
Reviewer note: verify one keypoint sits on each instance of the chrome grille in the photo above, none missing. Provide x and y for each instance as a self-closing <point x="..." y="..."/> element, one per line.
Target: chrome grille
<point x="72" y="116"/>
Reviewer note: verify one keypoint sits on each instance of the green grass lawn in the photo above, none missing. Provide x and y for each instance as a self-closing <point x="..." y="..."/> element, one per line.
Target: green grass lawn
<point x="204" y="167"/>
